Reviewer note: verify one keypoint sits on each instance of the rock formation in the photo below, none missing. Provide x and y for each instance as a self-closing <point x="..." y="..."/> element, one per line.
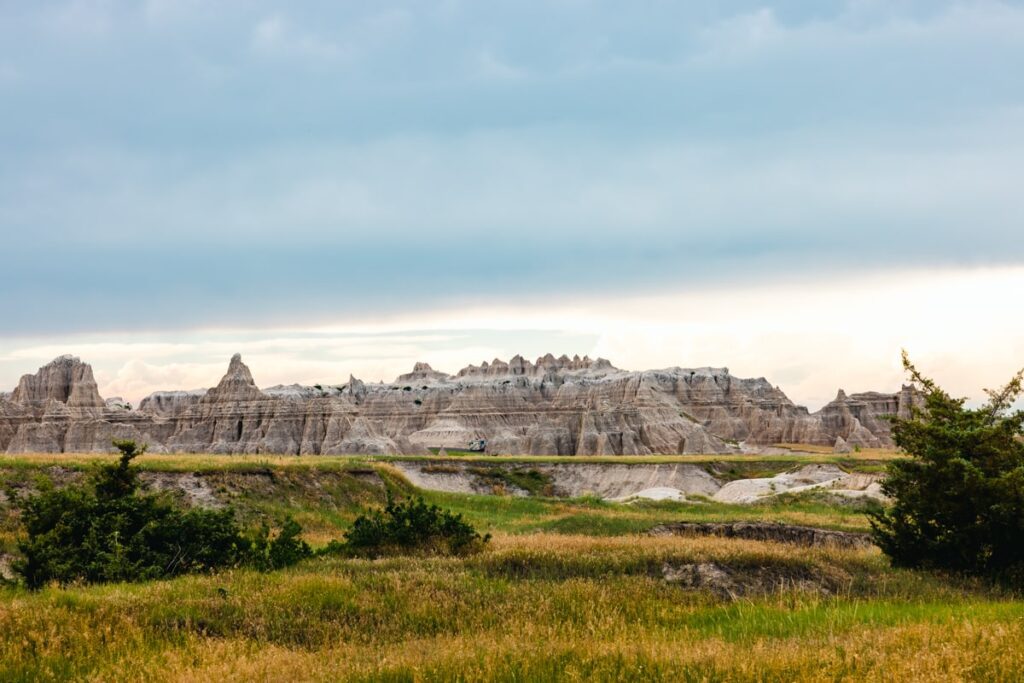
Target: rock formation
<point x="860" y="419"/>
<point x="66" y="380"/>
<point x="422" y="372"/>
<point x="553" y="406"/>
<point x="168" y="403"/>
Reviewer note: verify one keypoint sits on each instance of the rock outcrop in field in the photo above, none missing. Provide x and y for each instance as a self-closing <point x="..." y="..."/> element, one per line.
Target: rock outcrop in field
<point x="555" y="406"/>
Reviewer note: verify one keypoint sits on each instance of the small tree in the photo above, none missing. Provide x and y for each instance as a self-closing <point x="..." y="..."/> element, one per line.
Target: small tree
<point x="958" y="501"/>
<point x="107" y="529"/>
<point x="410" y="526"/>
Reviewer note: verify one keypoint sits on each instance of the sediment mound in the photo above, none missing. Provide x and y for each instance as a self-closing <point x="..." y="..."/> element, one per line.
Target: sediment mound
<point x="767" y="531"/>
<point x="731" y="582"/>
<point x="825" y="478"/>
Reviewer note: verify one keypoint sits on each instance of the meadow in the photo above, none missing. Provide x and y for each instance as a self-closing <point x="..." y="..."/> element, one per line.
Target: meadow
<point x="566" y="590"/>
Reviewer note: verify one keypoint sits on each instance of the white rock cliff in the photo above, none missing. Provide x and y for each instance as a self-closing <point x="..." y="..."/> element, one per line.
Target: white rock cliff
<point x="554" y="406"/>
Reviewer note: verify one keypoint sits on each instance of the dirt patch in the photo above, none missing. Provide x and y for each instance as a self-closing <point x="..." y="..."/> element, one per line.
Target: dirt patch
<point x="62" y="476"/>
<point x="443" y="477"/>
<point x="195" y="488"/>
<point x="367" y="476"/>
<point x="564" y="480"/>
<point x="6" y="568"/>
<point x="735" y="582"/>
<point x="216" y="488"/>
<point x="441" y="469"/>
<point x="766" y="531"/>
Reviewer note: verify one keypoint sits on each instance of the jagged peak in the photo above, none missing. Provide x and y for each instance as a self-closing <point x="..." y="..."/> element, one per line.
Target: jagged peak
<point x="65" y="379"/>
<point x="236" y="368"/>
<point x="237" y="384"/>
<point x="422" y="372"/>
<point x="546" y="364"/>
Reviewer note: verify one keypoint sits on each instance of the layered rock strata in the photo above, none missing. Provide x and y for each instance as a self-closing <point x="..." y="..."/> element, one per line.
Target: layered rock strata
<point x="554" y="406"/>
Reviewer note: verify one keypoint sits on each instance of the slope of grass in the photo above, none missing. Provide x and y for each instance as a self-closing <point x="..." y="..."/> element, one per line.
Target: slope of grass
<point x="568" y="590"/>
<point x="326" y="495"/>
<point x="601" y="518"/>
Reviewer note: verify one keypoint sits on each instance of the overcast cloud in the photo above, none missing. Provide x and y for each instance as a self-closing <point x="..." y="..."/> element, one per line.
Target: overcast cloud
<point x="171" y="167"/>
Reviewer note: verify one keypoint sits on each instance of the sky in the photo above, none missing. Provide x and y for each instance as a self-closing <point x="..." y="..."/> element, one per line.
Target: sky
<point x="794" y="190"/>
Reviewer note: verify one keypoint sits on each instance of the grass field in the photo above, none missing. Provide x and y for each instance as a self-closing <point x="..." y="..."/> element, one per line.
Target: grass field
<point x="190" y="462"/>
<point x="567" y="590"/>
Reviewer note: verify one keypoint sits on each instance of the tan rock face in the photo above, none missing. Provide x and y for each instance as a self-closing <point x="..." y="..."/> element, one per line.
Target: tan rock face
<point x="554" y="406"/>
<point x="66" y="379"/>
<point x="860" y="419"/>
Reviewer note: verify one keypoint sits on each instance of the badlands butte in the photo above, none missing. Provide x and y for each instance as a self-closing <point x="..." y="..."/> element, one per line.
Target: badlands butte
<point x="554" y="406"/>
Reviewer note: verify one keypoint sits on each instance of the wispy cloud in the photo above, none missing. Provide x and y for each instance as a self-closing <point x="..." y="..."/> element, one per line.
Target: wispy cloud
<point x="84" y="18"/>
<point x="276" y="35"/>
<point x="489" y="66"/>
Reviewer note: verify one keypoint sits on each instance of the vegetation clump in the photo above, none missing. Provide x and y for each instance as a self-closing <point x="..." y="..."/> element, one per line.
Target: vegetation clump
<point x="532" y="480"/>
<point x="958" y="503"/>
<point x="106" y="529"/>
<point x="283" y="550"/>
<point x="410" y="526"/>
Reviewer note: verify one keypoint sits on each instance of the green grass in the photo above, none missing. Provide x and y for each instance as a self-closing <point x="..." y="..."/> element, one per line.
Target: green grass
<point x="790" y="459"/>
<point x="460" y="452"/>
<point x="597" y="607"/>
<point x="569" y="589"/>
<point x="519" y="515"/>
<point x="326" y="496"/>
<point x="533" y="481"/>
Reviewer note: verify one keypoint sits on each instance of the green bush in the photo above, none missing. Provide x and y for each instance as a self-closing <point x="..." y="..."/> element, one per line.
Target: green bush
<point x="958" y="502"/>
<point x="283" y="550"/>
<point x="410" y="526"/>
<point x="106" y="529"/>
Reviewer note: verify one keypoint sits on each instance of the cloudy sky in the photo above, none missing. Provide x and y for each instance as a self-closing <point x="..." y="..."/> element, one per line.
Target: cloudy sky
<point x="792" y="189"/>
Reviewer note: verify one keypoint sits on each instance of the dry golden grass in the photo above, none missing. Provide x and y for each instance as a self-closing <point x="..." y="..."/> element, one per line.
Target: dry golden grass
<point x="801" y="453"/>
<point x="962" y="652"/>
<point x="531" y="608"/>
<point x="862" y="454"/>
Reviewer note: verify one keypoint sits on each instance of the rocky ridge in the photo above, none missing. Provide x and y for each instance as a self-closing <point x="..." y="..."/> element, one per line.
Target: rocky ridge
<point x="553" y="406"/>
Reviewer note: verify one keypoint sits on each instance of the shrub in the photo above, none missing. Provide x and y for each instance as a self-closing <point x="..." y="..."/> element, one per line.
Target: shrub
<point x="410" y="526"/>
<point x="106" y="529"/>
<point x="284" y="550"/>
<point x="958" y="502"/>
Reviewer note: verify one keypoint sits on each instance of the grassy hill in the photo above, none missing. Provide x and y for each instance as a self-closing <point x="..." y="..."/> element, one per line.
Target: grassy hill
<point x="568" y="590"/>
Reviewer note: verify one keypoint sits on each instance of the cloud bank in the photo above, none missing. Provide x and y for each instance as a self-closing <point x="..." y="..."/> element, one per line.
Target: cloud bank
<point x="172" y="170"/>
